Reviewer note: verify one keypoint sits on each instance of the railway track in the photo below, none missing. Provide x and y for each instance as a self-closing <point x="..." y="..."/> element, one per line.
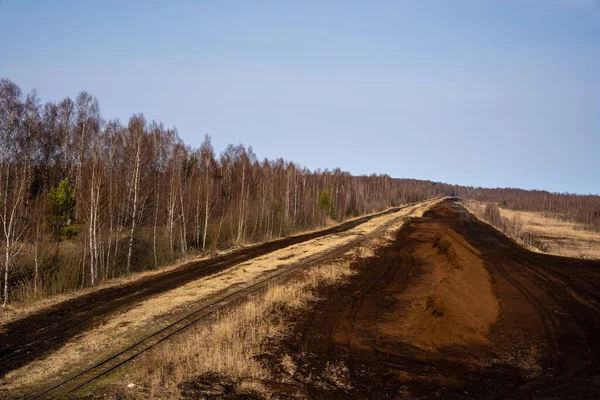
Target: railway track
<point x="83" y="378"/>
<point x="41" y="333"/>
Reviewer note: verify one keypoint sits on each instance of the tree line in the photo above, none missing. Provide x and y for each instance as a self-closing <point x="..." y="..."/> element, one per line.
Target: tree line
<point x="84" y="199"/>
<point x="582" y="209"/>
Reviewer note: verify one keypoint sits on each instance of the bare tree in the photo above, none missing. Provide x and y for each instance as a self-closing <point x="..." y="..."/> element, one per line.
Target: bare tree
<point x="95" y="180"/>
<point x="136" y="132"/>
<point x="66" y="116"/>
<point x="14" y="175"/>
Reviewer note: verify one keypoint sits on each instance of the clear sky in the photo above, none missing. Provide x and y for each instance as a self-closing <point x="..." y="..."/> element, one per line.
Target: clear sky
<point x="485" y="93"/>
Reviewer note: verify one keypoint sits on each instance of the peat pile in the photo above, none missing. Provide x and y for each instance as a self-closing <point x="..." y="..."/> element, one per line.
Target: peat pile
<point x="451" y="309"/>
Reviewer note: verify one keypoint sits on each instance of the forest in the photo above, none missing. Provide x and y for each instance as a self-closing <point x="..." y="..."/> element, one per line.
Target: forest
<point x="85" y="199"/>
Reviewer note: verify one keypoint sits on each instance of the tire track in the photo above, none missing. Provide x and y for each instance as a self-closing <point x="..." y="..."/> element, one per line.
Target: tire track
<point x="547" y="303"/>
<point x="572" y="310"/>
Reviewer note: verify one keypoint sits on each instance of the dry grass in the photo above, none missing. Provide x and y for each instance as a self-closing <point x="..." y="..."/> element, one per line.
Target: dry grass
<point x="20" y="310"/>
<point x="126" y="327"/>
<point x="556" y="236"/>
<point x="228" y="348"/>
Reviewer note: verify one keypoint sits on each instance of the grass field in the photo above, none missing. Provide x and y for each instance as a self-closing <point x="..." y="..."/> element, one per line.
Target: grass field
<point x="555" y="236"/>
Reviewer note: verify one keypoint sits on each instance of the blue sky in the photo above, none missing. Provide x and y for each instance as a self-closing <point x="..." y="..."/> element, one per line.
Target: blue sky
<point x="485" y="93"/>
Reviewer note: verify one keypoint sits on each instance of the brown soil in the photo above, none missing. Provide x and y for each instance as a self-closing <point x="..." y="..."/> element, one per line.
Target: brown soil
<point x="43" y="332"/>
<point x="452" y="309"/>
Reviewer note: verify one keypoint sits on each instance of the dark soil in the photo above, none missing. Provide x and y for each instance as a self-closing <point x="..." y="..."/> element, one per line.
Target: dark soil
<point x="41" y="333"/>
<point x="545" y="342"/>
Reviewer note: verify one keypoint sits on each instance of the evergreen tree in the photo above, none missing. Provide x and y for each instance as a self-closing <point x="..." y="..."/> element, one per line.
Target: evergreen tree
<point x="62" y="211"/>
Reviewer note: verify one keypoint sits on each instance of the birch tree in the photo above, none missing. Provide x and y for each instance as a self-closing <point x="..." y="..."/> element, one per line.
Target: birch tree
<point x="14" y="175"/>
<point x="94" y="187"/>
<point x="136" y="132"/>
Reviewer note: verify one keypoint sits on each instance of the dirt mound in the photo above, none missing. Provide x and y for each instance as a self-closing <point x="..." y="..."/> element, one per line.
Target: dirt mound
<point x="444" y="246"/>
<point x="452" y="309"/>
<point x="453" y="303"/>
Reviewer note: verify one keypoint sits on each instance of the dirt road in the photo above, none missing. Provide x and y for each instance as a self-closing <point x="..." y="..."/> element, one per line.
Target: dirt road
<point x="453" y="309"/>
<point x="41" y="333"/>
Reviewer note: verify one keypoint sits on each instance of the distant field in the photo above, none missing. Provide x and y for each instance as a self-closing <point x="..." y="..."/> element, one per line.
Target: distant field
<point x="553" y="235"/>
